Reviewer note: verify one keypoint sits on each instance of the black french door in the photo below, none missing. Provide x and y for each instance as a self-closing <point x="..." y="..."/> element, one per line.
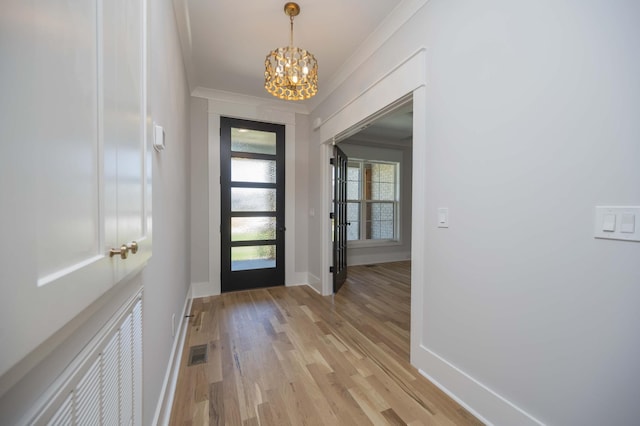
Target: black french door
<point x="252" y="204"/>
<point x="340" y="162"/>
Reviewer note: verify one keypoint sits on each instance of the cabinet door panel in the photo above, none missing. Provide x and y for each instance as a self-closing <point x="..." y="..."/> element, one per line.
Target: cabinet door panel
<point x="73" y="161"/>
<point x="65" y="134"/>
<point x="54" y="265"/>
<point x="124" y="125"/>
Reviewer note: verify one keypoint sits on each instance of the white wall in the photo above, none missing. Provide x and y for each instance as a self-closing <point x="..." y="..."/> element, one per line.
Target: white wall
<point x="166" y="279"/>
<point x="530" y="115"/>
<point x="301" y="210"/>
<point x="316" y="214"/>
<point x="389" y="252"/>
<point x="199" y="192"/>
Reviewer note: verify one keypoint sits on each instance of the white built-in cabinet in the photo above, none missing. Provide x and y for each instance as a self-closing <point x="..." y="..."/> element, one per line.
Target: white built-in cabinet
<point x="75" y="175"/>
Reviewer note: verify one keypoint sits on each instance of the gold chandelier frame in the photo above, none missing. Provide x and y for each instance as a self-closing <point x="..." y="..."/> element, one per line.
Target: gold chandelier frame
<point x="291" y="73"/>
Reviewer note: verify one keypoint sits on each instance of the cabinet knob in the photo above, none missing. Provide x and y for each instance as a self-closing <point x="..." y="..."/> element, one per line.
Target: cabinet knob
<point x="133" y="247"/>
<point x="122" y="251"/>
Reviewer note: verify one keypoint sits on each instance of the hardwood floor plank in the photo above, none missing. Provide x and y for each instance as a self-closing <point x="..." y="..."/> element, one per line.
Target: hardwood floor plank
<point x="288" y="356"/>
<point x="216" y="404"/>
<point x="367" y="406"/>
<point x="340" y="400"/>
<point x="393" y="418"/>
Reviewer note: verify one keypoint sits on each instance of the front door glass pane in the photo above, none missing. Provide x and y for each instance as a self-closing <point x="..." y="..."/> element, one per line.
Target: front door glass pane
<point x="253" y="257"/>
<point x="253" y="228"/>
<point x="250" y="170"/>
<point x="253" y="200"/>
<point x="253" y="141"/>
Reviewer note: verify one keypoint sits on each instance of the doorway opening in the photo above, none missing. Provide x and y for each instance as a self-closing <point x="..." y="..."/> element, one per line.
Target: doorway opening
<point x="378" y="193"/>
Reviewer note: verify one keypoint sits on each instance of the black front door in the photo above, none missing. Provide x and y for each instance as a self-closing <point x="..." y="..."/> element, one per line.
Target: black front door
<point x="340" y="162"/>
<point x="252" y="204"/>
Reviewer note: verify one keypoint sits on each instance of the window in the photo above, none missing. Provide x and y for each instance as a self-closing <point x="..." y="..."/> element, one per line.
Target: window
<point x="373" y="200"/>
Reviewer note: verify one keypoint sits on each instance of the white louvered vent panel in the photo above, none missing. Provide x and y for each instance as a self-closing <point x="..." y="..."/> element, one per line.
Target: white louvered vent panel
<point x="126" y="371"/>
<point x="109" y="391"/>
<point x="87" y="397"/>
<point x="137" y="363"/>
<point x="110" y="402"/>
<point x="64" y="415"/>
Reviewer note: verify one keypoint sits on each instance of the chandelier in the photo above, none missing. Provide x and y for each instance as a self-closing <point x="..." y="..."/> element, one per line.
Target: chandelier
<point x="291" y="73"/>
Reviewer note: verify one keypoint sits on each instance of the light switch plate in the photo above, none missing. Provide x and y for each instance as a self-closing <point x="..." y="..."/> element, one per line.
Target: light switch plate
<point x="617" y="223"/>
<point x="158" y="137"/>
<point x="609" y="222"/>
<point x="443" y="217"/>
<point x="628" y="223"/>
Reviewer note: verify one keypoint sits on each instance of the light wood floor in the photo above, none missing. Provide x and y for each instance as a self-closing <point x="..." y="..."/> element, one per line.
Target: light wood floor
<point x="288" y="356"/>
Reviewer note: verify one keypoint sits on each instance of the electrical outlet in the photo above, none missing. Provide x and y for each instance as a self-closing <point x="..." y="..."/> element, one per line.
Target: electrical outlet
<point x="173" y="325"/>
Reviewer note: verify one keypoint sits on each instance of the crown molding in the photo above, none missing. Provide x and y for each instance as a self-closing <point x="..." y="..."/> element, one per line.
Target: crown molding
<point x="254" y="101"/>
<point x="399" y="16"/>
<point x="183" y="25"/>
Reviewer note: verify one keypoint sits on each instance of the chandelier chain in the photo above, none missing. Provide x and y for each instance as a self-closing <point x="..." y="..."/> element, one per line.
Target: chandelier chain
<point x="291" y="32"/>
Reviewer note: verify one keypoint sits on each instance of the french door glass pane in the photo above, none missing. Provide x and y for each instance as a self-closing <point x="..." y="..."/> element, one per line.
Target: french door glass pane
<point x="353" y="212"/>
<point x="253" y="200"/>
<point x="253" y="228"/>
<point x="353" y="190"/>
<point x="353" y="221"/>
<point x="253" y="257"/>
<point x="353" y="231"/>
<point x="251" y="170"/>
<point x="253" y="141"/>
<point x="353" y="181"/>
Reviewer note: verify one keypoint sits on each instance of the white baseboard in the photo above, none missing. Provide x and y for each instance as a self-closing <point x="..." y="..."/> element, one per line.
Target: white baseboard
<point x="314" y="282"/>
<point x="369" y="259"/>
<point x="294" y="279"/>
<point x="488" y="406"/>
<point x="165" y="400"/>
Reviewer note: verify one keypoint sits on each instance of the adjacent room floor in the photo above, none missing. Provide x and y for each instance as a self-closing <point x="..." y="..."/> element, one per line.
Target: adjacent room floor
<point x="288" y="356"/>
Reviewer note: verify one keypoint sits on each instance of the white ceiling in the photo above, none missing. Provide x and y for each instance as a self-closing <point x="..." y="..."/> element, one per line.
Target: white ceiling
<point x="391" y="129"/>
<point x="225" y="42"/>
